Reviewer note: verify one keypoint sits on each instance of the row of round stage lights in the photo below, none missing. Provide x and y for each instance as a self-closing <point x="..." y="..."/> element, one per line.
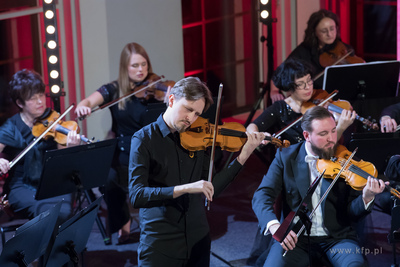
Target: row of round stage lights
<point x="265" y="11"/>
<point x="52" y="48"/>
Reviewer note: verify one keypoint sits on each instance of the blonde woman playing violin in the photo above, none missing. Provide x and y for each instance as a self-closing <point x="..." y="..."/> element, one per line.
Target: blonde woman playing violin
<point x="128" y="116"/>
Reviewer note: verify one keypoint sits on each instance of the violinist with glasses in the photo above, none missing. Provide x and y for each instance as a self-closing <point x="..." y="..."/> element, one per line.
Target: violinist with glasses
<point x="321" y="47"/>
<point x="295" y="77"/>
<point x="290" y="174"/>
<point x="27" y="91"/>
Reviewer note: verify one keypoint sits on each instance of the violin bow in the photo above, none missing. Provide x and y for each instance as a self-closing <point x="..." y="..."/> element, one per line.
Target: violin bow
<point x="116" y="101"/>
<point x="326" y="192"/>
<point x="23" y="152"/>
<point x="210" y="170"/>
<point x="335" y="92"/>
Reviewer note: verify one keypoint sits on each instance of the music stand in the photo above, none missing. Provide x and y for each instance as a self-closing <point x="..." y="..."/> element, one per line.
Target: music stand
<point x="383" y="145"/>
<point x="78" y="168"/>
<point x="72" y="236"/>
<point x="363" y="81"/>
<point x="18" y="251"/>
<point x="75" y="168"/>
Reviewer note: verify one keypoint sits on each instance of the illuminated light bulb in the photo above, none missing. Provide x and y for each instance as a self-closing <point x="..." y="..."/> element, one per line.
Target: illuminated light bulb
<point x="264" y="14"/>
<point x="264" y="2"/>
<point x="50" y="29"/>
<point x="55" y="89"/>
<point x="53" y="59"/>
<point x="48" y="1"/>
<point x="49" y="14"/>
<point x="51" y="44"/>
<point x="54" y="74"/>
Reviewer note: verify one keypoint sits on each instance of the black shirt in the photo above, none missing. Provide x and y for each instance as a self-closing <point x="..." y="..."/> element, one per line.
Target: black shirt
<point x="157" y="164"/>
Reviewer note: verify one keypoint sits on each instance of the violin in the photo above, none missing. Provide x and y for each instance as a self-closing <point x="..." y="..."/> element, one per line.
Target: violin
<point x="339" y="55"/>
<point x="355" y="174"/>
<point x="335" y="106"/>
<point x="231" y="136"/>
<point x="58" y="131"/>
<point x="156" y="91"/>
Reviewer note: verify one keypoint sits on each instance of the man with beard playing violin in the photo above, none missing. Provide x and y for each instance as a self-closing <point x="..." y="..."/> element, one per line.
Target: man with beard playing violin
<point x="290" y="174"/>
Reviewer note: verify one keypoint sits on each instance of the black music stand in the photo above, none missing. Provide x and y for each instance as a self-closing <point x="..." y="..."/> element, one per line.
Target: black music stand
<point x="78" y="168"/>
<point x="383" y="145"/>
<point x="72" y="236"/>
<point x="30" y="240"/>
<point x="363" y="81"/>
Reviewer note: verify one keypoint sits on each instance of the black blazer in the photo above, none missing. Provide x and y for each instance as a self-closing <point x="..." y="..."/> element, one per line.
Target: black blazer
<point x="289" y="175"/>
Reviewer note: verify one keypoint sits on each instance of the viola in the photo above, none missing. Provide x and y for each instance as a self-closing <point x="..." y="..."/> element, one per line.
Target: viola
<point x="230" y="136"/>
<point x="355" y="174"/>
<point x="339" y="55"/>
<point x="335" y="106"/>
<point x="58" y="131"/>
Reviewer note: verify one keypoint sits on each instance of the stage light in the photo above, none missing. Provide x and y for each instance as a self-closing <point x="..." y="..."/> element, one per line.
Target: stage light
<point x="50" y="29"/>
<point x="52" y="52"/>
<point x="49" y="14"/>
<point x="55" y="89"/>
<point x="265" y="11"/>
<point x="52" y="44"/>
<point x="54" y="74"/>
<point x="53" y="59"/>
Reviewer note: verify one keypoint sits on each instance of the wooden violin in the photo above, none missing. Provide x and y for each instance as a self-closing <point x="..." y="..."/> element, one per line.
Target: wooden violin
<point x="356" y="174"/>
<point x="335" y="106"/>
<point x="156" y="91"/>
<point x="231" y="136"/>
<point x="339" y="55"/>
<point x="58" y="131"/>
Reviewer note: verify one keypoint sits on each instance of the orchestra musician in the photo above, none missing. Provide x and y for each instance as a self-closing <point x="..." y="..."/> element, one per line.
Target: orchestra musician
<point x="128" y="116"/>
<point x="389" y="118"/>
<point x="321" y="35"/>
<point x="293" y="76"/>
<point x="167" y="182"/>
<point x="291" y="173"/>
<point x="27" y="90"/>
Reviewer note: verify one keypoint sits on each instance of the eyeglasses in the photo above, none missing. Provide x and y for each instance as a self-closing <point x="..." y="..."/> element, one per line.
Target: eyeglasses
<point x="303" y="85"/>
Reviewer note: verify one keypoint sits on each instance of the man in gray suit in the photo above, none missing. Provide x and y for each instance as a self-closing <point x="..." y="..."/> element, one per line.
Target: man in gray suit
<point x="290" y="174"/>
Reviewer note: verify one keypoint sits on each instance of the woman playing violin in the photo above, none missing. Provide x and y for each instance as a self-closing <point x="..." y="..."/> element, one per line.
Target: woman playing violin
<point x="293" y="76"/>
<point x="27" y="90"/>
<point x="128" y="116"/>
<point x="321" y="35"/>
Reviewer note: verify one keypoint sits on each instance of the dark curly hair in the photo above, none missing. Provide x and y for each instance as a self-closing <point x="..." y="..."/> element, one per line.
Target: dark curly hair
<point x="290" y="70"/>
<point x="310" y="39"/>
<point x="24" y="84"/>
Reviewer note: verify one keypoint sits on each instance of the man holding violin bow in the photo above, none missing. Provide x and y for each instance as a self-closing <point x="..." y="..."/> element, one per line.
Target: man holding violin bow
<point x="290" y="174"/>
<point x="166" y="182"/>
